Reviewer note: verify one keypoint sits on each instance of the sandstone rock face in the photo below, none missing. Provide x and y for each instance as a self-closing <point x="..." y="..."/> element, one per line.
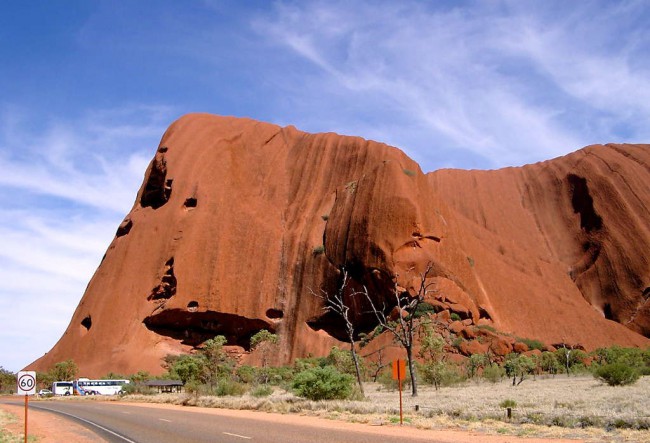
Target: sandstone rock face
<point x="237" y="222"/>
<point x="577" y="223"/>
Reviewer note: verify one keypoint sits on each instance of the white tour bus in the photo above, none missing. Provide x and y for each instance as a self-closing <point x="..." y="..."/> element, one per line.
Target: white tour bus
<point x="62" y="388"/>
<point x="85" y="386"/>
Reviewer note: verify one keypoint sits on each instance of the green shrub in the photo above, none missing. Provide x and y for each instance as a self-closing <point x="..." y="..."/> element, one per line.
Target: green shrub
<point x="633" y="357"/>
<point x="324" y="383"/>
<point x="487" y="328"/>
<point x="137" y="388"/>
<point x="318" y="250"/>
<point x="532" y="344"/>
<point x="474" y="363"/>
<point x="572" y="360"/>
<point x="617" y="374"/>
<point x="518" y="366"/>
<point x="302" y="364"/>
<point x="508" y="403"/>
<point x="185" y="368"/>
<point x="65" y="370"/>
<point x="587" y="421"/>
<point x="409" y="172"/>
<point x="226" y="386"/>
<point x="493" y="373"/>
<point x="262" y="391"/>
<point x="8" y="381"/>
<point x="342" y="360"/>
<point x="549" y="363"/>
<point x="325" y="217"/>
<point x="192" y="386"/>
<point x="454" y="316"/>
<point x="441" y="373"/>
<point x="563" y="421"/>
<point x="279" y="375"/>
<point x="246" y="373"/>
<point x="140" y="377"/>
<point x="424" y="308"/>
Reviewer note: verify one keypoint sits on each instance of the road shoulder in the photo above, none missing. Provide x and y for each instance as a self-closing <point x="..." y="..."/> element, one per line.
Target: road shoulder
<point x="48" y="427"/>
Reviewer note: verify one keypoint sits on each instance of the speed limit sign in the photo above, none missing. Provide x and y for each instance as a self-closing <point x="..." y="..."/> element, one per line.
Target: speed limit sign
<point x="26" y="383"/>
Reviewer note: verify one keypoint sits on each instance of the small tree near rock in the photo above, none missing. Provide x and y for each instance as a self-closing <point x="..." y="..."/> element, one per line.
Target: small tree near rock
<point x="323" y="383"/>
<point x="518" y="366"/>
<point x="617" y="374"/>
<point x="7" y="381"/>
<point x="65" y="370"/>
<point x="338" y="303"/>
<point x="432" y="351"/>
<point x="264" y="342"/>
<point x="214" y="361"/>
<point x="404" y="324"/>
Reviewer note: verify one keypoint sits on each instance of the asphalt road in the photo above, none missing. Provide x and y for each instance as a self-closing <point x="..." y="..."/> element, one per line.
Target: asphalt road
<point x="123" y="423"/>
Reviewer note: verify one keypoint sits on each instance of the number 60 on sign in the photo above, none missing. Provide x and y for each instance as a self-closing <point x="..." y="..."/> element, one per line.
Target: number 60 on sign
<point x="26" y="383"/>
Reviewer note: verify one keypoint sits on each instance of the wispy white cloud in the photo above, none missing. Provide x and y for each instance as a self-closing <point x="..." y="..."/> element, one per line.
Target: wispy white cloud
<point x="597" y="62"/>
<point x="43" y="241"/>
<point x="510" y="83"/>
<point x="66" y="186"/>
<point x="96" y="161"/>
<point x="45" y="264"/>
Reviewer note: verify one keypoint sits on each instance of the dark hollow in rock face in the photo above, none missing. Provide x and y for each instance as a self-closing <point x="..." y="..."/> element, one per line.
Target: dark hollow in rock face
<point x="87" y="322"/>
<point x="124" y="228"/>
<point x="167" y="287"/>
<point x="157" y="188"/>
<point x="274" y="313"/>
<point x="195" y="328"/>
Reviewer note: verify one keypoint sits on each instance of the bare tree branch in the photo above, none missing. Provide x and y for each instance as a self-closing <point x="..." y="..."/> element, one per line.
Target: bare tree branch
<point x="405" y="326"/>
<point x="336" y="303"/>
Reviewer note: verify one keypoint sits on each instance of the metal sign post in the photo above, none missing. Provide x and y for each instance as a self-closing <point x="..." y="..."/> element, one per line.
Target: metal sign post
<point x="399" y="372"/>
<point x="26" y="409"/>
<point x="26" y="381"/>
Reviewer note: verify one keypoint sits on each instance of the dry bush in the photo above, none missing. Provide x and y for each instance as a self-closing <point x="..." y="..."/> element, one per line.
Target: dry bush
<point x="6" y="436"/>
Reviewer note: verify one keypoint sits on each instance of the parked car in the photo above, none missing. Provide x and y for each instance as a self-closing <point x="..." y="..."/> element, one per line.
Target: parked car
<point x="45" y="393"/>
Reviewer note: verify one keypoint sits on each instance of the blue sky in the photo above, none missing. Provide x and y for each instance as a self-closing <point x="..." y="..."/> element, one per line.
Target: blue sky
<point x="87" y="89"/>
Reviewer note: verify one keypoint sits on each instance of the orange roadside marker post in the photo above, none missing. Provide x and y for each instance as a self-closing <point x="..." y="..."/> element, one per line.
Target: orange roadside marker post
<point x="399" y="372"/>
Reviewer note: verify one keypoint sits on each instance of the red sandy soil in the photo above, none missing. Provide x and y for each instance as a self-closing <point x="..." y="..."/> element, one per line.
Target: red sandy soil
<point x="48" y="427"/>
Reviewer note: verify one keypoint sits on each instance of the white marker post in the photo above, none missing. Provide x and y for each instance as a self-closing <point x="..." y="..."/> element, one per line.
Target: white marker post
<point x="26" y="386"/>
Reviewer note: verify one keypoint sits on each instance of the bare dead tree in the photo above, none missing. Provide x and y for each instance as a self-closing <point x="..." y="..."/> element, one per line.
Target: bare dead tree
<point x="403" y="324"/>
<point x="378" y="365"/>
<point x="336" y="303"/>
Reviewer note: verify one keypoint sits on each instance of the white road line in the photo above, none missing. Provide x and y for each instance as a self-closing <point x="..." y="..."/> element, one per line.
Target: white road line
<point x="127" y="413"/>
<point x="237" y="435"/>
<point x="164" y="419"/>
<point x="92" y="424"/>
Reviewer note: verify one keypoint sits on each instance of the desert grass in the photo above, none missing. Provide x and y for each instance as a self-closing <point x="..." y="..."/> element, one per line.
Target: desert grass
<point x="570" y="407"/>
<point x="6" y="436"/>
<point x="577" y="407"/>
<point x="561" y="401"/>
